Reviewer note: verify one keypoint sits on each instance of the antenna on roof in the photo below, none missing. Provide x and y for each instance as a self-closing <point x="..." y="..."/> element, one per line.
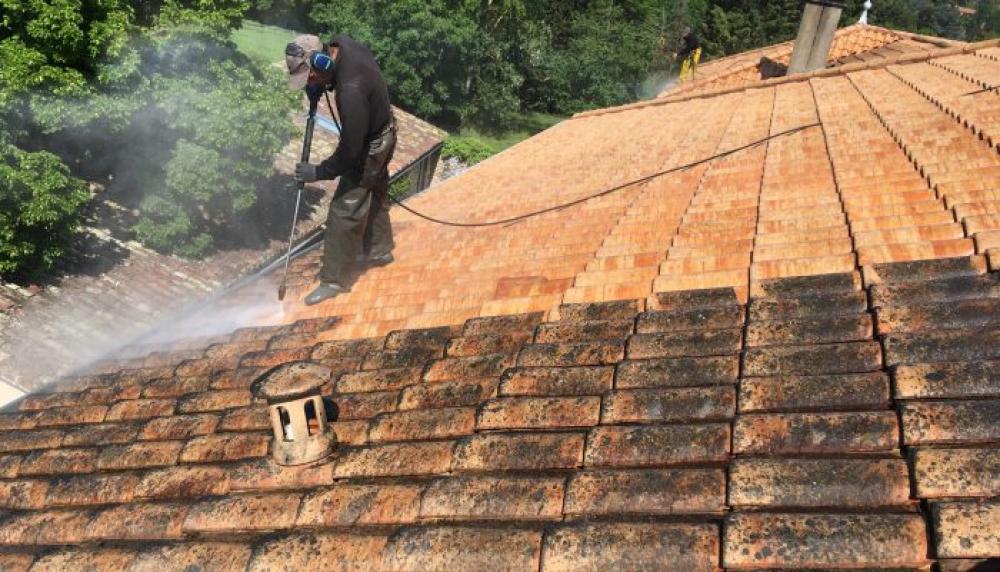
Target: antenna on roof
<point x="864" y="15"/>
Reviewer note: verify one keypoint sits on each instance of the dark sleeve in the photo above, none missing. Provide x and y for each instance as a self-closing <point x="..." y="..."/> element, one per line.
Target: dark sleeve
<point x="351" y="150"/>
<point x="691" y="44"/>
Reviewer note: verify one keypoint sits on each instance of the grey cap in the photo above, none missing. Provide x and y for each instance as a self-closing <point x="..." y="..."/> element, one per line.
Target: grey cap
<point x="297" y="59"/>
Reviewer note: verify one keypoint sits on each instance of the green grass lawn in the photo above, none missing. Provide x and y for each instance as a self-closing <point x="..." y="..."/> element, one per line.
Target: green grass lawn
<point x="263" y="43"/>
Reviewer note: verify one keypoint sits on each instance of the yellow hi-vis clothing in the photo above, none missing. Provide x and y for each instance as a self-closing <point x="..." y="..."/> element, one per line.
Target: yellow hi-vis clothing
<point x="689" y="66"/>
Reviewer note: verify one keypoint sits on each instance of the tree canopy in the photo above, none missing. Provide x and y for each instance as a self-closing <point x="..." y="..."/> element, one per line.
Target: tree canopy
<point x="481" y="61"/>
<point x="148" y="99"/>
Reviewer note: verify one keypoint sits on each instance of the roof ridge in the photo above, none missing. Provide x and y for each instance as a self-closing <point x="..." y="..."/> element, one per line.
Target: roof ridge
<point x="795" y="78"/>
<point x="840" y="31"/>
<point x="780" y="50"/>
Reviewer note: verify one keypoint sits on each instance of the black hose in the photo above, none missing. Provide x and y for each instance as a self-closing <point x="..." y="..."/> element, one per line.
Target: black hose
<point x="589" y="197"/>
<point x="606" y="191"/>
<point x="985" y="89"/>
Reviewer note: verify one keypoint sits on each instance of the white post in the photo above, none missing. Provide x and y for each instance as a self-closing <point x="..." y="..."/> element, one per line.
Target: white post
<point x="864" y="15"/>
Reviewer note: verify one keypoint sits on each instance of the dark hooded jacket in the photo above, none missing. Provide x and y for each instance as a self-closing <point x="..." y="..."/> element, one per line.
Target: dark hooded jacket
<point x="363" y="105"/>
<point x="690" y="44"/>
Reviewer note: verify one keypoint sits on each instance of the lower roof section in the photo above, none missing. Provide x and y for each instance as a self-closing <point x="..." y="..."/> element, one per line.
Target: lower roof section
<point x="834" y="421"/>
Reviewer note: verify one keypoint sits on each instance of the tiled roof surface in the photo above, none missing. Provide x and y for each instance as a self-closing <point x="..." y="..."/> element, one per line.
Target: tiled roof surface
<point x="115" y="289"/>
<point x="900" y="169"/>
<point x="783" y="359"/>
<point x="853" y="44"/>
<point x="824" y="424"/>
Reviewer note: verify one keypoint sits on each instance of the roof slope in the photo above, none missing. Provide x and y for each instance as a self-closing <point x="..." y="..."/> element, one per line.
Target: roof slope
<point x="685" y="432"/>
<point x="783" y="359"/>
<point x="853" y="44"/>
<point x="869" y="185"/>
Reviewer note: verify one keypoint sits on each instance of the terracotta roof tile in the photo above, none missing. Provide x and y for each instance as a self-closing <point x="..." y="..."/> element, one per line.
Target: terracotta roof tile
<point x="14" y="562"/>
<point x="182" y="482"/>
<point x="396" y="459"/>
<point x="947" y="380"/>
<point x="460" y="548"/>
<point x="835" y="483"/>
<point x="423" y="424"/>
<point x="853" y="47"/>
<point x="806" y="433"/>
<point x="678" y="372"/>
<point x="223" y="557"/>
<point x="110" y="559"/>
<point x="643" y="446"/>
<point x="489" y="498"/>
<point x="350" y="505"/>
<point x="816" y="540"/>
<point x="818" y="392"/>
<point x="554" y="381"/>
<point x="225" y="447"/>
<point x="539" y="413"/>
<point x="243" y="513"/>
<point x="967" y="530"/>
<point x="692" y="547"/>
<point x="138" y="522"/>
<point x="957" y="473"/>
<point x="519" y="451"/>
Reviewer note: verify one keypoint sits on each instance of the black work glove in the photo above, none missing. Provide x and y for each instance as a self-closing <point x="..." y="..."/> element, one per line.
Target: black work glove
<point x="306" y="173"/>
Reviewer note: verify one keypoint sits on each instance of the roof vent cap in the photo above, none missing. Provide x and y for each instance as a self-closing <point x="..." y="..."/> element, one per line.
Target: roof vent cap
<point x="298" y="415"/>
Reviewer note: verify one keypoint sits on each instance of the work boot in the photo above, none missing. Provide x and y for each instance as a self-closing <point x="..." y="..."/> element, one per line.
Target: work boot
<point x="374" y="261"/>
<point x="324" y="291"/>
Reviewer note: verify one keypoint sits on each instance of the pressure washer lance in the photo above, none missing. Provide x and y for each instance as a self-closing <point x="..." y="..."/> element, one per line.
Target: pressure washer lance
<point x="306" y="147"/>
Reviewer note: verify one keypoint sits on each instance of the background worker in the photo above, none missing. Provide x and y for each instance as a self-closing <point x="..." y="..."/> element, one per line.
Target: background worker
<point x="689" y="55"/>
<point x="358" y="231"/>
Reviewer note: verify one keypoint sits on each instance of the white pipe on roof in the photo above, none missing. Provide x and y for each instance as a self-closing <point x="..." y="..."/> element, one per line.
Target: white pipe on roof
<point x="864" y="15"/>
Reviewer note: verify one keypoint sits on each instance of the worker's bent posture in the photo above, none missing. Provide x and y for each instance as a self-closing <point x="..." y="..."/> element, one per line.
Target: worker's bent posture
<point x="689" y="55"/>
<point x="358" y="233"/>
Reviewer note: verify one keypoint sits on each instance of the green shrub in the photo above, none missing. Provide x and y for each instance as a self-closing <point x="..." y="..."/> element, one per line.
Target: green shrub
<point x="40" y="209"/>
<point x="468" y="149"/>
<point x="401" y="187"/>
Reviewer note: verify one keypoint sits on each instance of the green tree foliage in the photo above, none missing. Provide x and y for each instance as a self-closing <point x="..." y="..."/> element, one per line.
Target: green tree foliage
<point x="426" y="48"/>
<point x="39" y="209"/>
<point x="152" y="99"/>
<point x="985" y="23"/>
<point x="733" y="26"/>
<point x="227" y="123"/>
<point x="483" y="61"/>
<point x="930" y="17"/>
<point x="290" y="14"/>
<point x="215" y="17"/>
<point x="600" y="57"/>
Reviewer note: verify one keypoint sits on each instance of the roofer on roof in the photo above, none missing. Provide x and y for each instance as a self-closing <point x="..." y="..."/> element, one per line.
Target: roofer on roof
<point x="689" y="55"/>
<point x="358" y="232"/>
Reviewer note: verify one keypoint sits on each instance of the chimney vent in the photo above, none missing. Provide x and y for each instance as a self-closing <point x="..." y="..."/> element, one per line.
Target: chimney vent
<point x="298" y="415"/>
<point x="812" y="45"/>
